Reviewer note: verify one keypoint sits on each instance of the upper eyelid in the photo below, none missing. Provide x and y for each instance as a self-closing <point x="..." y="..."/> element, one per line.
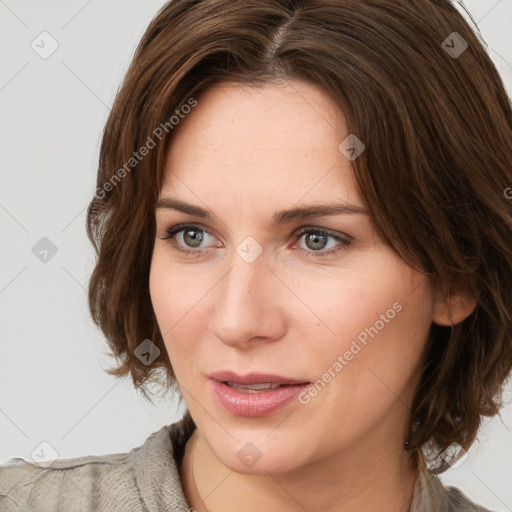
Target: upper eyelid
<point x="177" y="228"/>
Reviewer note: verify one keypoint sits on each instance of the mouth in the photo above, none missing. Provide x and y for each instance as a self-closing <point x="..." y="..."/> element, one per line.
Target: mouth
<point x="255" y="381"/>
<point x="256" y="388"/>
<point x="254" y="394"/>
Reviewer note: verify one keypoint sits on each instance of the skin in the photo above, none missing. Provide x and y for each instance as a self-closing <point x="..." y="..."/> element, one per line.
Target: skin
<point x="244" y="153"/>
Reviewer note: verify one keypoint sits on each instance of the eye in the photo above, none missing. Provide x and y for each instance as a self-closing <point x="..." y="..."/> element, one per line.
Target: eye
<point x="317" y="239"/>
<point x="189" y="234"/>
<point x="192" y="235"/>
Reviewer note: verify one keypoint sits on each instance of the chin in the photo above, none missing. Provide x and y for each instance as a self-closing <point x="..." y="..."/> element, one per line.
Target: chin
<point x="256" y="458"/>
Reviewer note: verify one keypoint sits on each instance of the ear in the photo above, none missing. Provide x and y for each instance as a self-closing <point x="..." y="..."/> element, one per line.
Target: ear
<point x="452" y="308"/>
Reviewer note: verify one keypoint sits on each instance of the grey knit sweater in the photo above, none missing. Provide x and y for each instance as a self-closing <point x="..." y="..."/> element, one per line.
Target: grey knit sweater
<point x="146" y="479"/>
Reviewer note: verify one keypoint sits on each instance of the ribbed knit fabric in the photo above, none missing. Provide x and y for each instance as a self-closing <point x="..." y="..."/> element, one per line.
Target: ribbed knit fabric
<point x="146" y="479"/>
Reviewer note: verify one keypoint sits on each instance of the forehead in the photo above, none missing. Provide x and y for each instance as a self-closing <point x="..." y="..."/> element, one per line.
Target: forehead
<point x="260" y="144"/>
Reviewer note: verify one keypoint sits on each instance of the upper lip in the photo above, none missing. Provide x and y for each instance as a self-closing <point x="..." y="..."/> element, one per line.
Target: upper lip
<point x="253" y="378"/>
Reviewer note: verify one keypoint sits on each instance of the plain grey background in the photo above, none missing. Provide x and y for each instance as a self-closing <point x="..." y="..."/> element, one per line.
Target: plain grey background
<point x="52" y="112"/>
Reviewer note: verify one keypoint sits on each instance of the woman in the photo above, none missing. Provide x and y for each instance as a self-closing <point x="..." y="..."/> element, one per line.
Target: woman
<point x="302" y="222"/>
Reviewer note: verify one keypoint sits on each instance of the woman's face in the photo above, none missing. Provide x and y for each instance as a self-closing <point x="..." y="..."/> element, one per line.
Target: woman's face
<point x="318" y="299"/>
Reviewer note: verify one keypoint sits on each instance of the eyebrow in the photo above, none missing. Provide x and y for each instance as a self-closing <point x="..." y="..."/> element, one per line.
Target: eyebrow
<point x="281" y="217"/>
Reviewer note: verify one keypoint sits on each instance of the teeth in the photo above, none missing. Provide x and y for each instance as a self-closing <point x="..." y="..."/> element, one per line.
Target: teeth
<point x="253" y="388"/>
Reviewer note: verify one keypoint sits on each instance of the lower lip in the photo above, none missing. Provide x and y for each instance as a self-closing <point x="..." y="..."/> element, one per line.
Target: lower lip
<point x="262" y="403"/>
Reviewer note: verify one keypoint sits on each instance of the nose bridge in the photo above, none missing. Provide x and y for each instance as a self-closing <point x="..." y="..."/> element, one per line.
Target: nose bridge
<point x="244" y="308"/>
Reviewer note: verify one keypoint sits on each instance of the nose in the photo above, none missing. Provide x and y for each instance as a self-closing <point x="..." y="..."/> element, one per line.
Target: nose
<point x="248" y="304"/>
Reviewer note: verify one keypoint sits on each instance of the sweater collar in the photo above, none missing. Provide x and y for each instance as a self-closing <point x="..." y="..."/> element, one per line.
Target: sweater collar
<point x="156" y="472"/>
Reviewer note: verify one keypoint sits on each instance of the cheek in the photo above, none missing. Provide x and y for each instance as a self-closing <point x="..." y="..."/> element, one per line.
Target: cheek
<point x="371" y="365"/>
<point x="391" y="352"/>
<point x="173" y="291"/>
<point x="376" y="323"/>
<point x="345" y="307"/>
<point x="165" y="294"/>
<point x="176" y="302"/>
<point x="161" y="291"/>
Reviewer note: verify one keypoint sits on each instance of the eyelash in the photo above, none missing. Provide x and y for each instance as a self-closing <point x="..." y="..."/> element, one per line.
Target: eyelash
<point x="171" y="232"/>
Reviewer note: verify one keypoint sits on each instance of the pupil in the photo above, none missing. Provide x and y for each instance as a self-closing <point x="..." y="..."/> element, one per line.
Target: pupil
<point x="195" y="238"/>
<point x="315" y="239"/>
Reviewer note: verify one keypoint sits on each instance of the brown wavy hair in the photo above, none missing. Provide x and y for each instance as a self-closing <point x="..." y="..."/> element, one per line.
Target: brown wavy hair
<point x="436" y="173"/>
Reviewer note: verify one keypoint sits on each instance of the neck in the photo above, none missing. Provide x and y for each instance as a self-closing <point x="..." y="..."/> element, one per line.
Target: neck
<point x="362" y="478"/>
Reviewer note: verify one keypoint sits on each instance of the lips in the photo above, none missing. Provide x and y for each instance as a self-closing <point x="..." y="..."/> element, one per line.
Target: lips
<point x="255" y="394"/>
<point x="254" y="378"/>
<point x="255" y="403"/>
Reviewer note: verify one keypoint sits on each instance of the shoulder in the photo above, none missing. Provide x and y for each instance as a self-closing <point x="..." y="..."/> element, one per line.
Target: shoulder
<point x="67" y="483"/>
<point x="146" y="478"/>
<point x="431" y="494"/>
<point x="461" y="503"/>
